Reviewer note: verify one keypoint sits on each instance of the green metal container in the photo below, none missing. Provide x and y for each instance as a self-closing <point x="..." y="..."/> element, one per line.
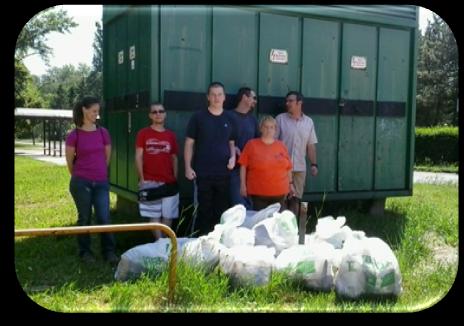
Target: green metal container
<point x="355" y="65"/>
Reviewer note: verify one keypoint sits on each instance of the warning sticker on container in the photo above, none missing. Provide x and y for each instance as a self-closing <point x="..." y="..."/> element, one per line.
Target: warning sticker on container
<point x="132" y="52"/>
<point x="120" y="57"/>
<point x="278" y="56"/>
<point x="358" y="62"/>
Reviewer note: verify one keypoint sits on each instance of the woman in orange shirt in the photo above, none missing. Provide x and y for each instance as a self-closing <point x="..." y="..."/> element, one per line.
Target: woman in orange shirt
<point x="265" y="168"/>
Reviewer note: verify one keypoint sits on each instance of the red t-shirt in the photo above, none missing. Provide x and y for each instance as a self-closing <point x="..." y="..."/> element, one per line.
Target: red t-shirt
<point x="158" y="148"/>
<point x="267" y="168"/>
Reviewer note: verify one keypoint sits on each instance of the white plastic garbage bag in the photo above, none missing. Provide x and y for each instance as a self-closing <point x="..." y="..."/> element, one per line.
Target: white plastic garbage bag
<point x="333" y="230"/>
<point x="233" y="236"/>
<point x="368" y="266"/>
<point x="150" y="257"/>
<point x="252" y="217"/>
<point x="203" y="251"/>
<point x="311" y="265"/>
<point x="234" y="216"/>
<point x="247" y="265"/>
<point x="280" y="231"/>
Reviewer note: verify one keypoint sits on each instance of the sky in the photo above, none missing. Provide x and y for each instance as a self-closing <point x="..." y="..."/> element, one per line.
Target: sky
<point x="76" y="47"/>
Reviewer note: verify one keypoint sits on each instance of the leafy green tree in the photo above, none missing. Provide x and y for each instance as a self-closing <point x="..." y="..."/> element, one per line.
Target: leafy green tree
<point x="33" y="37"/>
<point x="437" y="76"/>
<point x="94" y="80"/>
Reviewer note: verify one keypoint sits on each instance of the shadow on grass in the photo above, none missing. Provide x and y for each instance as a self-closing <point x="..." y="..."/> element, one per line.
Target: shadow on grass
<point x="390" y="227"/>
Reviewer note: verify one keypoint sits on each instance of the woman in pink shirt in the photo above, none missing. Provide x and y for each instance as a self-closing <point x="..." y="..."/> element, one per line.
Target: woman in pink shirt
<point x="88" y="152"/>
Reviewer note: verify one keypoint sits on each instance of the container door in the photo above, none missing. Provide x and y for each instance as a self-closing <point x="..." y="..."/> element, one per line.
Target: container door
<point x="279" y="61"/>
<point x="235" y="50"/>
<point x="185" y="66"/>
<point x="392" y="101"/>
<point x="138" y="67"/>
<point x="320" y="75"/>
<point x="357" y="96"/>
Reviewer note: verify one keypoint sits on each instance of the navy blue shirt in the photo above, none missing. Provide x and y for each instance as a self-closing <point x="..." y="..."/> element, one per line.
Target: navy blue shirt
<point x="212" y="135"/>
<point x="247" y="127"/>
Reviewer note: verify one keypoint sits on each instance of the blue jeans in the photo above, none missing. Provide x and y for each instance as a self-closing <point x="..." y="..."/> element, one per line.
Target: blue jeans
<point x="235" y="197"/>
<point x="86" y="194"/>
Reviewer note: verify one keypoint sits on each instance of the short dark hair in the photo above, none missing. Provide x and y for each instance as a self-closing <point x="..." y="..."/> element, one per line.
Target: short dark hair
<point x="242" y="91"/>
<point x="299" y="96"/>
<point x="157" y="104"/>
<point x="215" y="84"/>
<point x="87" y="102"/>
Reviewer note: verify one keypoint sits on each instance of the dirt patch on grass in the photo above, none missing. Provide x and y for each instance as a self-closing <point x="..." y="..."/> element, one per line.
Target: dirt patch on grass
<point x="443" y="253"/>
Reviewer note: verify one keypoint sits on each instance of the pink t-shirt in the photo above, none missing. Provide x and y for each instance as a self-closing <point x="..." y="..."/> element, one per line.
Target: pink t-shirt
<point x="90" y="161"/>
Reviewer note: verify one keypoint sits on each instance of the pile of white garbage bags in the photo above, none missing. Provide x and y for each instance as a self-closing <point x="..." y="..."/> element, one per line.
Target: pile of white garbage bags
<point x="248" y="246"/>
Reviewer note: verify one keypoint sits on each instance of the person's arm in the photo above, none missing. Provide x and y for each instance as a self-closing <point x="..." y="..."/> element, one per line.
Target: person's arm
<point x="231" y="163"/>
<point x="139" y="163"/>
<point x="243" y="188"/>
<point x="292" y="191"/>
<point x="188" y="154"/>
<point x="174" y="165"/>
<point x="312" y="158"/>
<point x="108" y="154"/>
<point x="70" y="153"/>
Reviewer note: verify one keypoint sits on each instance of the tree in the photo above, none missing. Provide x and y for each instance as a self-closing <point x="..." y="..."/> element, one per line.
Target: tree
<point x="94" y="80"/>
<point x="437" y="75"/>
<point x="33" y="37"/>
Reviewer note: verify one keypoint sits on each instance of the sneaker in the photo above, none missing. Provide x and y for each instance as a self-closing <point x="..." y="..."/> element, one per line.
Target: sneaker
<point x="88" y="258"/>
<point x="111" y="258"/>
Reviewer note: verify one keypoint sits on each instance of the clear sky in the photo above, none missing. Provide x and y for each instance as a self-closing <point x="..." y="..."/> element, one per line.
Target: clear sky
<point x="76" y="47"/>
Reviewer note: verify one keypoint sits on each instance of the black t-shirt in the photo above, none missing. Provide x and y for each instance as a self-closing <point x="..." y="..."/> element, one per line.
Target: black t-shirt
<point x="212" y="135"/>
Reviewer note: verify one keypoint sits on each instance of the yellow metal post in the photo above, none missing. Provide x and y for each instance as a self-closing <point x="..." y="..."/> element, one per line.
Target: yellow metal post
<point x="72" y="230"/>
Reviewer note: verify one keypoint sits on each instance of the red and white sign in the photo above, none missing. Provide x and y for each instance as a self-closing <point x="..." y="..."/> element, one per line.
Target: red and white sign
<point x="278" y="56"/>
<point x="358" y="62"/>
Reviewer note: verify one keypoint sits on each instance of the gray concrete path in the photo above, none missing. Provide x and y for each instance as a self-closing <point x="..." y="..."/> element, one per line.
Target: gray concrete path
<point x="436" y="178"/>
<point x="419" y="177"/>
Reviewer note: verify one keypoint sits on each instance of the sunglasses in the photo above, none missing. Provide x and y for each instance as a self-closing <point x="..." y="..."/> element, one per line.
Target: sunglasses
<point x="157" y="111"/>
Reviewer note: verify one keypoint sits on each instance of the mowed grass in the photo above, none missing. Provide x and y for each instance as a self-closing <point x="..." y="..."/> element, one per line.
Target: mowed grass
<point x="51" y="274"/>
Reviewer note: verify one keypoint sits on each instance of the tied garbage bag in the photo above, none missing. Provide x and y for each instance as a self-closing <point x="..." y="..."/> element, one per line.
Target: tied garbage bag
<point x="234" y="216"/>
<point x="150" y="257"/>
<point x="280" y="231"/>
<point x="203" y="252"/>
<point x="368" y="266"/>
<point x="252" y="217"/>
<point x="310" y="265"/>
<point x="232" y="237"/>
<point x="247" y="265"/>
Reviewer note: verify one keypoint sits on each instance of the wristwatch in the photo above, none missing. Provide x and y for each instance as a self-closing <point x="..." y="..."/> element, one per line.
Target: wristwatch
<point x="314" y="164"/>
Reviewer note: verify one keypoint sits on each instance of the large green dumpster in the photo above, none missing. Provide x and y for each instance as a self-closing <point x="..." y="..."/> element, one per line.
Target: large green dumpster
<point x="355" y="65"/>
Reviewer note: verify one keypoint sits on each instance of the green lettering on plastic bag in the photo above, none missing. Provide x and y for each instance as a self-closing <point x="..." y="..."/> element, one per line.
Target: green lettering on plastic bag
<point x="388" y="279"/>
<point x="305" y="267"/>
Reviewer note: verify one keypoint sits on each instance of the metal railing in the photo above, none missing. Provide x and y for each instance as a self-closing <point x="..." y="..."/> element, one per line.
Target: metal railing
<point x="72" y="230"/>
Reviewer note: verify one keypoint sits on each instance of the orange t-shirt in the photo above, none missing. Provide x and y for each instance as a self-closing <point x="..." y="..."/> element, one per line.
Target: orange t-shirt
<point x="267" y="168"/>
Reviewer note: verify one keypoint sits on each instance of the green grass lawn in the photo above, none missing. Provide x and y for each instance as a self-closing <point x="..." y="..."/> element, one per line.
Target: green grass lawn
<point x="50" y="273"/>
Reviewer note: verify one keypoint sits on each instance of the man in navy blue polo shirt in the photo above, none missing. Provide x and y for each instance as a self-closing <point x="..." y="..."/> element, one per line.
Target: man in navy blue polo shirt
<point x="210" y="146"/>
<point x="247" y="128"/>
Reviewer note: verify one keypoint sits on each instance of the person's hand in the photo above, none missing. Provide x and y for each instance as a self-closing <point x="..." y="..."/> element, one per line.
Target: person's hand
<point x="314" y="170"/>
<point x="142" y="182"/>
<point x="231" y="163"/>
<point x="243" y="191"/>
<point x="292" y="192"/>
<point x="190" y="174"/>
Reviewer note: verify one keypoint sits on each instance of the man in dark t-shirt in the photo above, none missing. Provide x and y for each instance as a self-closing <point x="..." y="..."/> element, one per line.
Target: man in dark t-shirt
<point x="209" y="155"/>
<point x="247" y="128"/>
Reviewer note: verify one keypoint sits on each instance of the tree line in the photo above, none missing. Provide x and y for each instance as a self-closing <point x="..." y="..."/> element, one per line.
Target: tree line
<point x="437" y="70"/>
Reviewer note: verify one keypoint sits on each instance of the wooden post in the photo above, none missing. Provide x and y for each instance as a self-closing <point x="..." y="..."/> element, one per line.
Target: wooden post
<point x="302" y="222"/>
